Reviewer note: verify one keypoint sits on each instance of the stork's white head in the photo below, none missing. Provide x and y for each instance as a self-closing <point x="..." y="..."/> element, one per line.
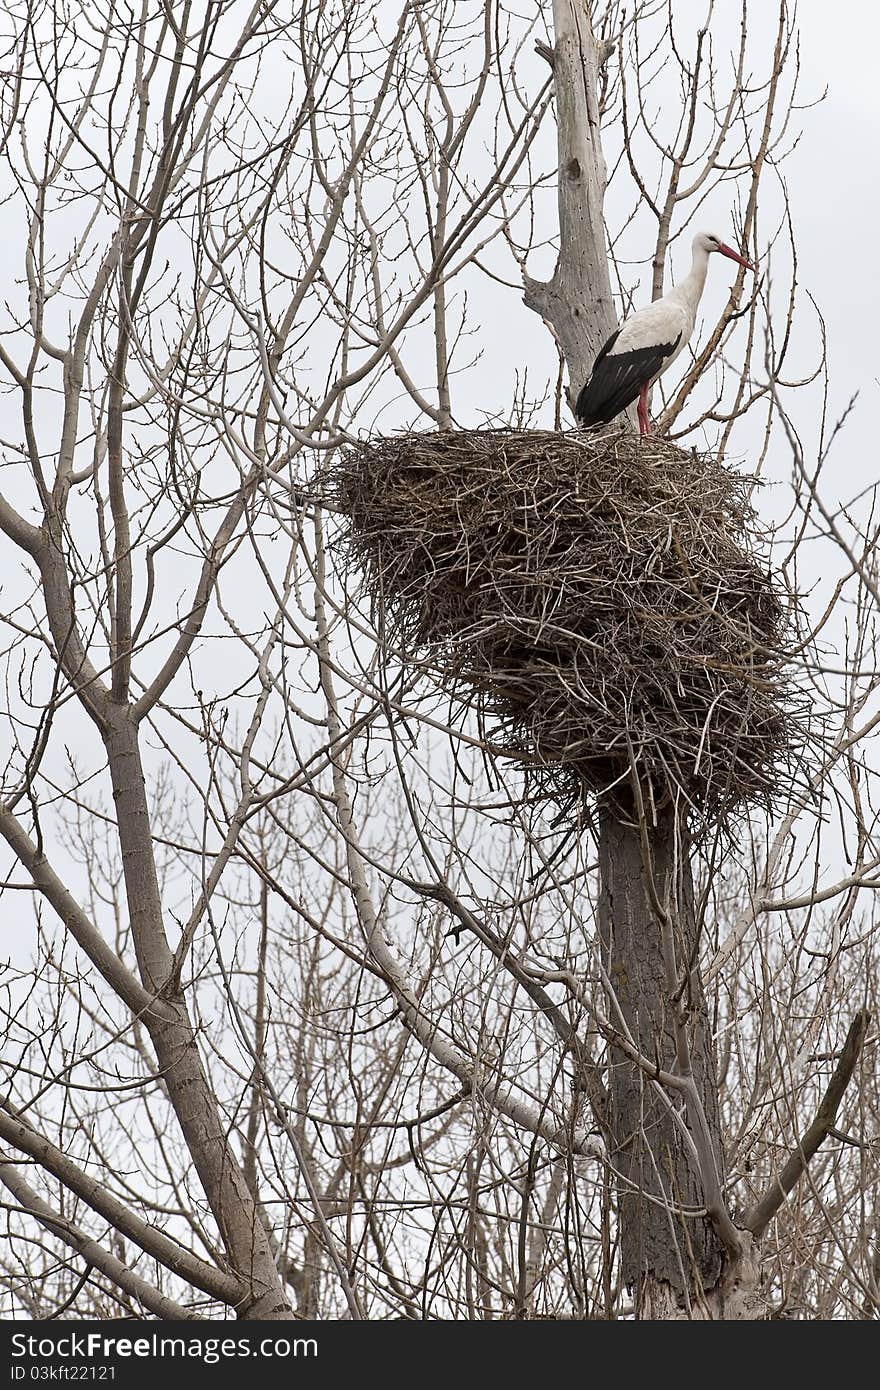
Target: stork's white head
<point x="708" y="242"/>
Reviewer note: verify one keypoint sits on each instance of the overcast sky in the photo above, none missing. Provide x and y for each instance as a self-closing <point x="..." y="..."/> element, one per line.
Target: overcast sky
<point x="835" y="187"/>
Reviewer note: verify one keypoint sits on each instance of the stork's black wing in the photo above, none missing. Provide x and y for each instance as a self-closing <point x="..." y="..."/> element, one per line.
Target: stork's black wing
<point x="617" y="378"/>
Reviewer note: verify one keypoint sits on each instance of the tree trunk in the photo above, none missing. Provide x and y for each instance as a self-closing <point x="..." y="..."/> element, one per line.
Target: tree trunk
<point x="577" y="304"/>
<point x="668" y="1259"/>
<point x="170" y="1028"/>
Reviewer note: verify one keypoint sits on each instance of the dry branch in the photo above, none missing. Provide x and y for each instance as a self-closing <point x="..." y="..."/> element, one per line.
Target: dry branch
<point x="758" y="1218"/>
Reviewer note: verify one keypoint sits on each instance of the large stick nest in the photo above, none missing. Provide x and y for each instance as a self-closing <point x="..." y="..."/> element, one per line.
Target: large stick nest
<point x="598" y="599"/>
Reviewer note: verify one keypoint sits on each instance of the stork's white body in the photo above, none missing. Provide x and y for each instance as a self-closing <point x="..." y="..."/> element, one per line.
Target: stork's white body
<point x="671" y="319"/>
<point x="648" y="342"/>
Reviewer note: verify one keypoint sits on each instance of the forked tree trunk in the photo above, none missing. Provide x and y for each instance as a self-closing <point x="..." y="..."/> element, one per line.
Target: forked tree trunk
<point x="577" y="304"/>
<point x="668" y="1260"/>
<point x="249" y="1256"/>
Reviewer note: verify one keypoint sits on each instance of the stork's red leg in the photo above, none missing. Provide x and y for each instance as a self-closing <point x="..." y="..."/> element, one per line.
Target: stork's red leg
<point x="644" y="417"/>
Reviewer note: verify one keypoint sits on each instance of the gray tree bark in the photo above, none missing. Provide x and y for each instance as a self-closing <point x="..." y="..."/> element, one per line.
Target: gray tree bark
<point x="172" y="1035"/>
<point x="577" y="304"/>
<point x="673" y="1262"/>
<point x="658" y="1175"/>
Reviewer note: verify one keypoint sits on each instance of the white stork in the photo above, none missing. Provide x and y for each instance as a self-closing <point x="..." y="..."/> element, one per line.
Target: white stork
<point x="647" y="342"/>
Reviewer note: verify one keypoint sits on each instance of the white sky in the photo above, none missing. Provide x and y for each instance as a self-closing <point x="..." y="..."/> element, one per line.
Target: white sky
<point x="834" y="178"/>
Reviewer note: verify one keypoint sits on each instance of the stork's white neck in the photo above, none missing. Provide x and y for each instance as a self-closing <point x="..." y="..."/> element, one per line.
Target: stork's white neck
<point x="689" y="291"/>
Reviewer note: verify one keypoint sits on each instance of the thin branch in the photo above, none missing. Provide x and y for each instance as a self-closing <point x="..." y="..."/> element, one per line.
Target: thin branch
<point x="759" y="1216"/>
<point x="186" y="1265"/>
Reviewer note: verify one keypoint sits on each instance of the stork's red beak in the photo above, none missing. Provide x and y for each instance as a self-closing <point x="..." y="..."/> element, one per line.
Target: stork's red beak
<point x="735" y="256"/>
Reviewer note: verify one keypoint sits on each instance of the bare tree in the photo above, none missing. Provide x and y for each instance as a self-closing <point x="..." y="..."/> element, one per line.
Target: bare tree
<point x="315" y="1010"/>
